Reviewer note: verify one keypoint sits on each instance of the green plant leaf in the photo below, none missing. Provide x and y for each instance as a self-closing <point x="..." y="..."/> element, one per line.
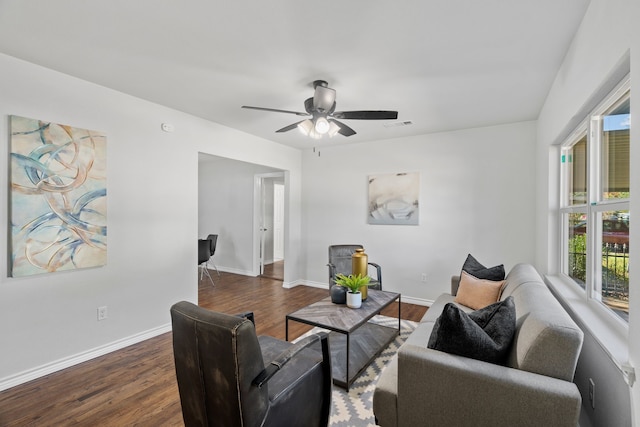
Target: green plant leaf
<point x="353" y="283"/>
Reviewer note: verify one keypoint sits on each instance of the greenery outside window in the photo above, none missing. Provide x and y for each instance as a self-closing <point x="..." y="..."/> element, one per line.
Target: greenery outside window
<point x="595" y="203"/>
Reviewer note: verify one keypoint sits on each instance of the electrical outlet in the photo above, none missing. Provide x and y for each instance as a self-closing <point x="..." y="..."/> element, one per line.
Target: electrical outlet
<point x="102" y="312"/>
<point x="592" y="393"/>
<point x="424" y="277"/>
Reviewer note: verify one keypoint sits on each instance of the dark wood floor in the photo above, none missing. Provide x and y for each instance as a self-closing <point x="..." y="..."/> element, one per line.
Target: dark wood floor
<point x="275" y="270"/>
<point x="137" y="385"/>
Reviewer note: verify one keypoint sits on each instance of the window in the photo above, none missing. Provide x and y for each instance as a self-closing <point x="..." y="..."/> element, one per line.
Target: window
<point x="595" y="203"/>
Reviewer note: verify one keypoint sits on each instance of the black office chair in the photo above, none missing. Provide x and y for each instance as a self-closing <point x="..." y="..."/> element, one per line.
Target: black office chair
<point x="204" y="253"/>
<point x="213" y="240"/>
<point x="223" y="379"/>
<point x="340" y="263"/>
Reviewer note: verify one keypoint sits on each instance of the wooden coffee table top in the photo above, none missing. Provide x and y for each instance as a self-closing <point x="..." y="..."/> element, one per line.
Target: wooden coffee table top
<point x="339" y="317"/>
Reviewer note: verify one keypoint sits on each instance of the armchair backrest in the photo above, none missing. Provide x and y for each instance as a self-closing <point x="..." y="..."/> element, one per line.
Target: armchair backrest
<point x="340" y="260"/>
<point x="217" y="356"/>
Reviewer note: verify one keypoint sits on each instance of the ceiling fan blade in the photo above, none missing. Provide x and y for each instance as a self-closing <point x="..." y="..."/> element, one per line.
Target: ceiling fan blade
<point x="344" y="129"/>
<point x="366" y="115"/>
<point x="275" y="110"/>
<point x="323" y="98"/>
<point x="290" y="127"/>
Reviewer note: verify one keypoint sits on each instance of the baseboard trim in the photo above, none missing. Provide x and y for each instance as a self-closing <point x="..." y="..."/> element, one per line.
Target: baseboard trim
<point x="67" y="362"/>
<point x="289" y="285"/>
<point x="417" y="301"/>
<point x="311" y="284"/>
<point x="236" y="271"/>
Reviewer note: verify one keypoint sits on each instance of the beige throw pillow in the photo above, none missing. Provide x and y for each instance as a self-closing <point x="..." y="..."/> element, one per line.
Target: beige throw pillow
<point x="478" y="293"/>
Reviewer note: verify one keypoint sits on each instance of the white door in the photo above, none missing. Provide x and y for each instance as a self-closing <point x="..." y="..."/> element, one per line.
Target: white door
<point x="263" y="227"/>
<point x="278" y="222"/>
<point x="263" y="222"/>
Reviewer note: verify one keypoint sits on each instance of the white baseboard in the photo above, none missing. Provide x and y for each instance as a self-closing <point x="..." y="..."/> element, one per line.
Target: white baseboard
<point x="67" y="362"/>
<point x="321" y="285"/>
<point x="236" y="271"/>
<point x="416" y="301"/>
<point x="289" y="285"/>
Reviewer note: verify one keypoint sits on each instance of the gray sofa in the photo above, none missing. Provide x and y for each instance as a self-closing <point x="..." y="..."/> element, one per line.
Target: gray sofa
<point x="425" y="387"/>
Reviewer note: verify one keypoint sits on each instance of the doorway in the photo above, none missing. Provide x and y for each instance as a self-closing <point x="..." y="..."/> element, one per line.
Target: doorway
<point x="229" y="204"/>
<point x="271" y="202"/>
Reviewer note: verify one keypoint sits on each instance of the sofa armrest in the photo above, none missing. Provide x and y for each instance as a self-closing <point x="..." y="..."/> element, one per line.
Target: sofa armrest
<point x="450" y="390"/>
<point x="455" y="283"/>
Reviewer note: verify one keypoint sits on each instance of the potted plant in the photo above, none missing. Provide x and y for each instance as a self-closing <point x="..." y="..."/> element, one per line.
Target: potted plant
<point x="353" y="283"/>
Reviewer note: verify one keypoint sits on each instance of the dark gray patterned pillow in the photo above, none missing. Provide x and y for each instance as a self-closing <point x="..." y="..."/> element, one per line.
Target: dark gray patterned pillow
<point x="485" y="334"/>
<point x="474" y="268"/>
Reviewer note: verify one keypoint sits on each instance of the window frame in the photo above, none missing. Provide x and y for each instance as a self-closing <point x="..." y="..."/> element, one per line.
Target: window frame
<point x="596" y="203"/>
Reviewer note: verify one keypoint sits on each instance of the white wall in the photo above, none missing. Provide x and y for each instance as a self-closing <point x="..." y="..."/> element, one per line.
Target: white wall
<point x="476" y="195"/>
<point x="597" y="57"/>
<point x="49" y="321"/>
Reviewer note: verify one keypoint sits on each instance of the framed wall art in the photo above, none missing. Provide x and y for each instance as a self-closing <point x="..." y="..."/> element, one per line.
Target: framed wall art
<point x="393" y="199"/>
<point x="58" y="197"/>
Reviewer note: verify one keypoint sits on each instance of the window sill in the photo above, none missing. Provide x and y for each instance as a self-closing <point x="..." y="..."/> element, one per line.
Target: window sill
<point x="611" y="333"/>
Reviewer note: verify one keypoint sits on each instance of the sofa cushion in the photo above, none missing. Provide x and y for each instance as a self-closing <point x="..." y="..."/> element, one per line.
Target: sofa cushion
<point x="473" y="267"/>
<point x="477" y="293"/>
<point x="484" y="334"/>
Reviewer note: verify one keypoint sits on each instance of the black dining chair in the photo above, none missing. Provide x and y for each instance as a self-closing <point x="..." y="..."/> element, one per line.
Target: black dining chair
<point x="204" y="253"/>
<point x="213" y="241"/>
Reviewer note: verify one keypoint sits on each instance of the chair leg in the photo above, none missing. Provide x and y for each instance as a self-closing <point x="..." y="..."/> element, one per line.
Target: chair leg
<point x="204" y="270"/>
<point x="214" y="266"/>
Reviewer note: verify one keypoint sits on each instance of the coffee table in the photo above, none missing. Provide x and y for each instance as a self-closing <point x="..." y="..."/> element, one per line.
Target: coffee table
<point x="353" y="340"/>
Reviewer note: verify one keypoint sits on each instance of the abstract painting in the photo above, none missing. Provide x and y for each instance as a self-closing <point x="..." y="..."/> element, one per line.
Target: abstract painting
<point x="58" y="207"/>
<point x="393" y="199"/>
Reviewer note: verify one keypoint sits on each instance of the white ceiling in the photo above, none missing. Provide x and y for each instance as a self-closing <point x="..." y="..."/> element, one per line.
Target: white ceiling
<point x="443" y="64"/>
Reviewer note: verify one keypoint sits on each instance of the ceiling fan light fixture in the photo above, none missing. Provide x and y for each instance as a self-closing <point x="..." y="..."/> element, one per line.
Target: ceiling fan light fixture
<point x="333" y="129"/>
<point x="306" y="127"/>
<point x="323" y="119"/>
<point x="322" y="125"/>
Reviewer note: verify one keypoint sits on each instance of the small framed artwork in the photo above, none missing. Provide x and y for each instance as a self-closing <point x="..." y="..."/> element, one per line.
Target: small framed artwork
<point x="58" y="206"/>
<point x="393" y="199"/>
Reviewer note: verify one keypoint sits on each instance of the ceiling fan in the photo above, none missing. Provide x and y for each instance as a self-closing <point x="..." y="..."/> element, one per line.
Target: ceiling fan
<point x="321" y="107"/>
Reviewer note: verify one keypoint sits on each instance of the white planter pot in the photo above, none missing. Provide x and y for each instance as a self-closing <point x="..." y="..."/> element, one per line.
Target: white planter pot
<point x="354" y="300"/>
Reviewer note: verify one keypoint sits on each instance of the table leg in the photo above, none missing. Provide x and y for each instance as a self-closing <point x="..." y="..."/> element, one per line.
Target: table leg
<point x="347" y="367"/>
<point x="399" y="307"/>
<point x="286" y="329"/>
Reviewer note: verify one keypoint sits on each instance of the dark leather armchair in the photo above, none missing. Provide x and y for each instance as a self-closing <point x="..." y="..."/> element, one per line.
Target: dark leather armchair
<point x="340" y="263"/>
<point x="223" y="379"/>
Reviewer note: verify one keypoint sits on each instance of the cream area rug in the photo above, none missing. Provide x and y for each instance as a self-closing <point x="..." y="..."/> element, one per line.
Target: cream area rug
<point x="355" y="408"/>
